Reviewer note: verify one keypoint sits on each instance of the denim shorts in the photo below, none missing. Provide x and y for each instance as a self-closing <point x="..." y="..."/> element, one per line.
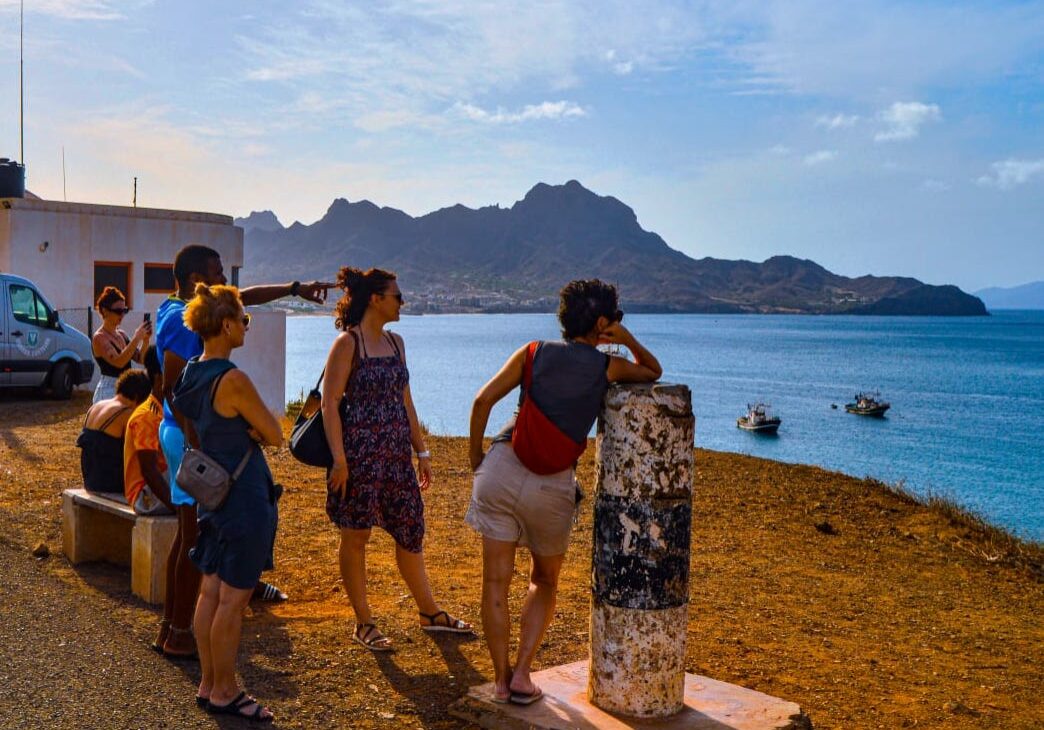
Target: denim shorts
<point x="511" y="503"/>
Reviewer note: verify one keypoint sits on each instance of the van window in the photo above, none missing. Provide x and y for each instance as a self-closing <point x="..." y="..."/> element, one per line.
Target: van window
<point x="27" y="307"/>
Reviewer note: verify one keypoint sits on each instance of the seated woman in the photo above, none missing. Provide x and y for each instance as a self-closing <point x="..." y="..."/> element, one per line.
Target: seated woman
<point x="113" y="349"/>
<point x="145" y="482"/>
<point x="101" y="440"/>
<point x="227" y="420"/>
<point x="525" y="493"/>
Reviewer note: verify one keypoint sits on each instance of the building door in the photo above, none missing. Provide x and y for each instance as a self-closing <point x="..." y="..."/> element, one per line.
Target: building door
<point x="31" y="341"/>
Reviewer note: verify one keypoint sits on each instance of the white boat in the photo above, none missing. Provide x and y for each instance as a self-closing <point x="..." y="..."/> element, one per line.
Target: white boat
<point x="758" y="419"/>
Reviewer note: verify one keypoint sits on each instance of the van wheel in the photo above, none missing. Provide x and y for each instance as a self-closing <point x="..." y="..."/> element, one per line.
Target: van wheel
<point x="61" y="382"/>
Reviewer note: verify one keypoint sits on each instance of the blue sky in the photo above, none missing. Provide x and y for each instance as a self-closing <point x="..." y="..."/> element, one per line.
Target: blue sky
<point x="873" y="137"/>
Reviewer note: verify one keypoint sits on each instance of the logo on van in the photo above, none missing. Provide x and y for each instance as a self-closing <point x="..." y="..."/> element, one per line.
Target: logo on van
<point x="32" y="338"/>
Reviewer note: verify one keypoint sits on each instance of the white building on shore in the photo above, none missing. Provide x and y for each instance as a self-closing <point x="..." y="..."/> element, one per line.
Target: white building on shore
<point x="73" y="250"/>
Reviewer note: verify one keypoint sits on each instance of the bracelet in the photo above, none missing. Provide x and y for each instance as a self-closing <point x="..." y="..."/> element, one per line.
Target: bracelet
<point x="295" y="288"/>
<point x="423" y="454"/>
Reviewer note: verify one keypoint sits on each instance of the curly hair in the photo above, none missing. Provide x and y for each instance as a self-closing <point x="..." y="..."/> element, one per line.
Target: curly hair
<point x="582" y="302"/>
<point x="207" y="311"/>
<point x="109" y="296"/>
<point x="134" y="384"/>
<point x="358" y="287"/>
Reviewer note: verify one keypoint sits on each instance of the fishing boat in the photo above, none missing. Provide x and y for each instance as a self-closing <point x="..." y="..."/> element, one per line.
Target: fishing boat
<point x="758" y="419"/>
<point x="868" y="404"/>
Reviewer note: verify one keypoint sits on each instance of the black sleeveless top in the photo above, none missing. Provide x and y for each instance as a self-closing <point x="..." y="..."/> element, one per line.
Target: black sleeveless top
<point x="101" y="457"/>
<point x="111" y="370"/>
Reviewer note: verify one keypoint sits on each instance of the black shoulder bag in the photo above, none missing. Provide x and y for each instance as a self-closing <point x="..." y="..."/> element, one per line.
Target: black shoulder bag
<point x="308" y="436"/>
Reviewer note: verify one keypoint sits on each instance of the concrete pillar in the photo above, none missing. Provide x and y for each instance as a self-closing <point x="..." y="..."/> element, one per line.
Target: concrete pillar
<point x="640" y="562"/>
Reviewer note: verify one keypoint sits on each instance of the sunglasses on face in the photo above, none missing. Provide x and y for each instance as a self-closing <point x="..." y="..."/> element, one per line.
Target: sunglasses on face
<point x="397" y="295"/>
<point x="245" y="320"/>
<point x="119" y="310"/>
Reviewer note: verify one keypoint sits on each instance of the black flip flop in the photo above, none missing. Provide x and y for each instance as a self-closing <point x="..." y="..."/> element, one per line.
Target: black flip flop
<point x="526" y="698"/>
<point x="235" y="707"/>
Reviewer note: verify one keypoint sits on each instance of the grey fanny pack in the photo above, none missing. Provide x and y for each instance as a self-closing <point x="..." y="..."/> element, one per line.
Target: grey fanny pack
<point x="205" y="480"/>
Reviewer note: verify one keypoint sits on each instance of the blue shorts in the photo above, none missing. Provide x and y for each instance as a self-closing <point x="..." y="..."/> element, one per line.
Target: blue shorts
<point x="172" y="441"/>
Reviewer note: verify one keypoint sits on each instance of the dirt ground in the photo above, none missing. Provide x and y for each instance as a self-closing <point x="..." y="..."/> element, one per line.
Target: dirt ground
<point x="889" y="614"/>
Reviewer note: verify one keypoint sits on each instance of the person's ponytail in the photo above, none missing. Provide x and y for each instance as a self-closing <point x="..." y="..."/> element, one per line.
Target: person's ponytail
<point x="358" y="287"/>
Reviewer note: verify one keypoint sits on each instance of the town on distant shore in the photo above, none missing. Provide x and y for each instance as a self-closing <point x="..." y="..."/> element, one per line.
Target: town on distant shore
<point x="515" y="259"/>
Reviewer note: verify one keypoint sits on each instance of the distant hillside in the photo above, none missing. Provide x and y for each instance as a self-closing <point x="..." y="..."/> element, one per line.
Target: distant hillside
<point x="517" y="258"/>
<point x="1027" y="296"/>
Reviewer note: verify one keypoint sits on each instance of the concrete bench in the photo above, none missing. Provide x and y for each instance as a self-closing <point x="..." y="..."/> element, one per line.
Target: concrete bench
<point x="97" y="528"/>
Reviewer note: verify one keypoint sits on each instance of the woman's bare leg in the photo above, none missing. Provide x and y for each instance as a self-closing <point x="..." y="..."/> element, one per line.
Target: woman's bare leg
<point x="498" y="565"/>
<point x="352" y="558"/>
<point x="537" y="612"/>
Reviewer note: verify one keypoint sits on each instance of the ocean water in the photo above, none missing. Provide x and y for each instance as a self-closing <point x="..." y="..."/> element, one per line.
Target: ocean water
<point x="967" y="394"/>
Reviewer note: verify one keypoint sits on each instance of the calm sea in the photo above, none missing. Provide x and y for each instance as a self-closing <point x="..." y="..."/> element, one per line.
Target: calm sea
<point x="967" y="394"/>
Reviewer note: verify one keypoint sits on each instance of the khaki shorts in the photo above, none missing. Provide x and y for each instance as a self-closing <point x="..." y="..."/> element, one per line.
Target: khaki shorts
<point x="511" y="503"/>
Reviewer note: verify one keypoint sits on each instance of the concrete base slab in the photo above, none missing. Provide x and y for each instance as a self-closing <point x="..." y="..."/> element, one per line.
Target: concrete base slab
<point x="709" y="705"/>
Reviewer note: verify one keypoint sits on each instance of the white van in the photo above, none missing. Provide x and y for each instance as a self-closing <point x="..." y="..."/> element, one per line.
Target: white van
<point x="38" y="349"/>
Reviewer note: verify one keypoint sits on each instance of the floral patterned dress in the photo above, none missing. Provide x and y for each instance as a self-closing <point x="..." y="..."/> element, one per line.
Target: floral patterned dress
<point x="382" y="488"/>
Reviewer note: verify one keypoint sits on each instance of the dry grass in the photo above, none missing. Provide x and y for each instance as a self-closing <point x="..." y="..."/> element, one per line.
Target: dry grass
<point x="974" y="534"/>
<point x="901" y="614"/>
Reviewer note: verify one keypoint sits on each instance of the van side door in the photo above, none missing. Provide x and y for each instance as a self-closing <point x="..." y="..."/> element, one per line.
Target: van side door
<point x="5" y="370"/>
<point x="31" y="341"/>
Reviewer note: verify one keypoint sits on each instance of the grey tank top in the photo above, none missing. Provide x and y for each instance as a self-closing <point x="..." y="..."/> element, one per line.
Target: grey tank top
<point x="569" y="384"/>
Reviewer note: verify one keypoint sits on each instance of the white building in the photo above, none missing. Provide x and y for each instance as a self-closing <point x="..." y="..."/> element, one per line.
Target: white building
<point x="73" y="250"/>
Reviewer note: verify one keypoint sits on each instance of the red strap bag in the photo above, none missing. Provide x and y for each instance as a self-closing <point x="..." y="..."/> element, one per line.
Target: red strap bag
<point x="539" y="444"/>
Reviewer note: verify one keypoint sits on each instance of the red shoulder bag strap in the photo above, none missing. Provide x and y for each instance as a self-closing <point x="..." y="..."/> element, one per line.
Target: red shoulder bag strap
<point x="527" y="369"/>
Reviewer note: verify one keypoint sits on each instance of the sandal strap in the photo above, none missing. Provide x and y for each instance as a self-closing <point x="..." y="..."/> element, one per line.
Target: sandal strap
<point x="434" y="617"/>
<point x="449" y="621"/>
<point x="371" y="629"/>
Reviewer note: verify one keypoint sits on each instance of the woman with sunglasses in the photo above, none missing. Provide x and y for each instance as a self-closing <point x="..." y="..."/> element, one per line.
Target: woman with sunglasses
<point x="227" y="420"/>
<point x="524" y="492"/>
<point x="113" y="349"/>
<point x="372" y="482"/>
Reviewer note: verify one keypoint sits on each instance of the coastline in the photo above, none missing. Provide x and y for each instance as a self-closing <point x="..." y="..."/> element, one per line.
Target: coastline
<point x="843" y="594"/>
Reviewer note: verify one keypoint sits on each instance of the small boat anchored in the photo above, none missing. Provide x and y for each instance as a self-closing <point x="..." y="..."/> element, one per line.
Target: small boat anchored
<point x="868" y="404"/>
<point x="758" y="419"/>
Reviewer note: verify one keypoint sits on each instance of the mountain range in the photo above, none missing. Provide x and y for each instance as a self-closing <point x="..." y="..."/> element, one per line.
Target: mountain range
<point x="517" y="258"/>
<point x="1026" y="296"/>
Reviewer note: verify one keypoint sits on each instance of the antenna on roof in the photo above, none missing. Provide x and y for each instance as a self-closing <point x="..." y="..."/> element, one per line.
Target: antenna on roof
<point x="134" y="200"/>
<point x="65" y="195"/>
<point x="21" y="81"/>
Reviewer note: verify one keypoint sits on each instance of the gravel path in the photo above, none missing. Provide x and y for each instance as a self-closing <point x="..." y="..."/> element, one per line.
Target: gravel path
<point x="63" y="664"/>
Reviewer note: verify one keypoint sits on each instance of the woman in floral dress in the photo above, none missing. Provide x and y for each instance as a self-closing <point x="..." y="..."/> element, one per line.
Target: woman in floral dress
<point x="371" y="427"/>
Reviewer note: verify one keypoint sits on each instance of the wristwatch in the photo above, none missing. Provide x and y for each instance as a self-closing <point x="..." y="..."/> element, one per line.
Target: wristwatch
<point x="423" y="454"/>
<point x="295" y="288"/>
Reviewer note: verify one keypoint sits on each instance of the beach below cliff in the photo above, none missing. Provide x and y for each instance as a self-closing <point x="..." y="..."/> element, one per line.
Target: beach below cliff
<point x="866" y="606"/>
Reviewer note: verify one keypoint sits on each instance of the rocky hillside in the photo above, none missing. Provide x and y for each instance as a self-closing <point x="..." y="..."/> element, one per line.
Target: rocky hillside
<point x="516" y="259"/>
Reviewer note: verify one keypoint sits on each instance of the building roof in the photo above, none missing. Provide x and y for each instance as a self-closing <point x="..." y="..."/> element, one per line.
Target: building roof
<point x="126" y="211"/>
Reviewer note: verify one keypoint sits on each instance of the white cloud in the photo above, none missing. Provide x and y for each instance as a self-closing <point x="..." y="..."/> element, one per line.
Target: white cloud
<point x="74" y="9"/>
<point x="819" y="157"/>
<point x="780" y="150"/>
<point x="872" y="49"/>
<point x="1011" y="173"/>
<point x="530" y="112"/>
<point x="620" y="68"/>
<point x="935" y="186"/>
<point x="904" y="120"/>
<point x="838" y="121"/>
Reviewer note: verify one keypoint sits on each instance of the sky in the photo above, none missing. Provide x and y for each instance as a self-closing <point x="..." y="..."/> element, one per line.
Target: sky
<point x="887" y="138"/>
